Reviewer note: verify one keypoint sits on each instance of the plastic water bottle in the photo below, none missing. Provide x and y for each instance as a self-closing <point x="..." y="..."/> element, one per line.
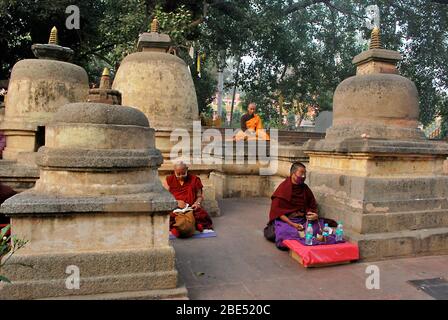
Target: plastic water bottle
<point x="339" y="232"/>
<point x="309" y="235"/>
<point x="326" y="230"/>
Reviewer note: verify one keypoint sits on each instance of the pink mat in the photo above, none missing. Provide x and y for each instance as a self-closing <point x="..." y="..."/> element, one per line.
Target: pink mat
<point x="324" y="254"/>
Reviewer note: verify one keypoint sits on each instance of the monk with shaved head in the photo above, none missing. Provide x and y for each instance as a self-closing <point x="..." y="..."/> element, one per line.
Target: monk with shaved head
<point x="251" y="126"/>
<point x="293" y="206"/>
<point x="187" y="190"/>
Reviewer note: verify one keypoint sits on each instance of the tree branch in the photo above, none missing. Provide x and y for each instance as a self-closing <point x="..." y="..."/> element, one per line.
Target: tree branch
<point x="198" y="21"/>
<point x="301" y="5"/>
<point x="440" y="1"/>
<point x="306" y="3"/>
<point x="104" y="59"/>
<point x="93" y="51"/>
<point x="341" y="10"/>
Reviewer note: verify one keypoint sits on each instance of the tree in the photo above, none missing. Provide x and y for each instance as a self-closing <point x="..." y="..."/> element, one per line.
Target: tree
<point x="300" y="51"/>
<point x="295" y="51"/>
<point x="20" y="29"/>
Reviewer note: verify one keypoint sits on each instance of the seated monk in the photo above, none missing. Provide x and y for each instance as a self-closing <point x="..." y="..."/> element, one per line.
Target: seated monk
<point x="293" y="205"/>
<point x="5" y="193"/>
<point x="187" y="190"/>
<point x="251" y="126"/>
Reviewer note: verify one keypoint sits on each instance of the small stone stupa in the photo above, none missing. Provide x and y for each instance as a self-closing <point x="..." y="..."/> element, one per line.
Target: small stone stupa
<point x="98" y="209"/>
<point x="37" y="88"/>
<point x="375" y="170"/>
<point x="104" y="94"/>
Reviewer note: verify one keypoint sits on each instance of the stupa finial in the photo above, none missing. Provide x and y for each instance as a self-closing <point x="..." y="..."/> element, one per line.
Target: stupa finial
<point x="375" y="39"/>
<point x="105" y="79"/>
<point x="104" y="94"/>
<point x="53" y="36"/>
<point x="106" y="72"/>
<point x="154" y="39"/>
<point x="155" y="25"/>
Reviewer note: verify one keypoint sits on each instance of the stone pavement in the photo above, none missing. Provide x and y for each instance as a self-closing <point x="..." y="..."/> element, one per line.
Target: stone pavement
<point x="240" y="264"/>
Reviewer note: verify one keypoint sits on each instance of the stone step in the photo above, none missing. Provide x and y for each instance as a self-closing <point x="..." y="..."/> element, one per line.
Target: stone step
<point x="402" y="221"/>
<point x="27" y="158"/>
<point x="435" y="215"/>
<point x="417" y="220"/>
<point x="409" y="243"/>
<point x="179" y="293"/>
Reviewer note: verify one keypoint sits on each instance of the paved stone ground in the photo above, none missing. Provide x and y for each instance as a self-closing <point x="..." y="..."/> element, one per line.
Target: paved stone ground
<point x="241" y="264"/>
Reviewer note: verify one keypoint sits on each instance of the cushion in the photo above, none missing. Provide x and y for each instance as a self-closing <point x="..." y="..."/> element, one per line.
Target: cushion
<point x="317" y="256"/>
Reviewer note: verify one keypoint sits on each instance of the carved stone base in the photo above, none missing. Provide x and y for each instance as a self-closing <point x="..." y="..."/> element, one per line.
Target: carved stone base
<point x="392" y="205"/>
<point x="124" y="274"/>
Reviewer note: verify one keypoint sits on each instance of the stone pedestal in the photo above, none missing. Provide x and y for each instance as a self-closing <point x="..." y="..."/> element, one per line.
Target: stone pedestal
<point x="243" y="176"/>
<point x="375" y="170"/>
<point x="98" y="207"/>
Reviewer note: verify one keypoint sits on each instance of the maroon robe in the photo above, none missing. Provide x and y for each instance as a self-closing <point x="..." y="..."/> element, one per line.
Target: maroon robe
<point x="289" y="198"/>
<point x="187" y="193"/>
<point x="5" y="193"/>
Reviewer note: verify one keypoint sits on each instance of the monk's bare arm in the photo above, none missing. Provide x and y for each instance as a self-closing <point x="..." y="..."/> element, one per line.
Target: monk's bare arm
<point x="199" y="199"/>
<point x="165" y="185"/>
<point x="292" y="224"/>
<point x="200" y="196"/>
<point x="312" y="213"/>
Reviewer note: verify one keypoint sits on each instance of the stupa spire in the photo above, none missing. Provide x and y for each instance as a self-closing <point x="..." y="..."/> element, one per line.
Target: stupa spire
<point x="105" y="79"/>
<point x="155" y="25"/>
<point x="53" y="36"/>
<point x="375" y="39"/>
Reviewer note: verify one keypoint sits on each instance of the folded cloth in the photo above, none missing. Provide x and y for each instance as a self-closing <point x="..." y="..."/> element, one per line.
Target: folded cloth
<point x="321" y="255"/>
<point x="185" y="224"/>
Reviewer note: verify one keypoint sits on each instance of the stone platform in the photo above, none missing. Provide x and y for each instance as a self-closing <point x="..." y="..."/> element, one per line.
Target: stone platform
<point x="240" y="264"/>
<point x="391" y="195"/>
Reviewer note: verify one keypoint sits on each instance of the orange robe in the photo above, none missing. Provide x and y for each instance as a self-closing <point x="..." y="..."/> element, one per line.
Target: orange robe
<point x="254" y="126"/>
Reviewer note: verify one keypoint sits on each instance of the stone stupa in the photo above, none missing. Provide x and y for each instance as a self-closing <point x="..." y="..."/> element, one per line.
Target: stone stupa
<point x="37" y="89"/>
<point x="161" y="86"/>
<point x="375" y="170"/>
<point x="98" y="207"/>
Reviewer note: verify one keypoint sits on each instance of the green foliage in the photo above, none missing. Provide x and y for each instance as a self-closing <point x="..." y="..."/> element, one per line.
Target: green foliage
<point x="302" y="50"/>
<point x="121" y="23"/>
<point x="205" y="88"/>
<point x="291" y="118"/>
<point x="236" y="119"/>
<point x="298" y="50"/>
<point x="8" y="246"/>
<point x="176" y="23"/>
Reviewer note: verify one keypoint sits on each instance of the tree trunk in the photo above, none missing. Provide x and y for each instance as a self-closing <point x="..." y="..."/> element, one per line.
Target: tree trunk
<point x="220" y="91"/>
<point x="150" y="6"/>
<point x="221" y="65"/>
<point x="281" y="101"/>
<point x="235" y="86"/>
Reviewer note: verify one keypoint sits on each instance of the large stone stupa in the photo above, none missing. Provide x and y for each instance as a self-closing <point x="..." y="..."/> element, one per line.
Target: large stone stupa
<point x="37" y="89"/>
<point x="375" y="170"/>
<point x="161" y="86"/>
<point x="98" y="208"/>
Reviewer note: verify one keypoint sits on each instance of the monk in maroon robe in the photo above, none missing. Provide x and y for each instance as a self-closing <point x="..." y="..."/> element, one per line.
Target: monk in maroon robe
<point x="5" y="193"/>
<point x="293" y="204"/>
<point x="187" y="190"/>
